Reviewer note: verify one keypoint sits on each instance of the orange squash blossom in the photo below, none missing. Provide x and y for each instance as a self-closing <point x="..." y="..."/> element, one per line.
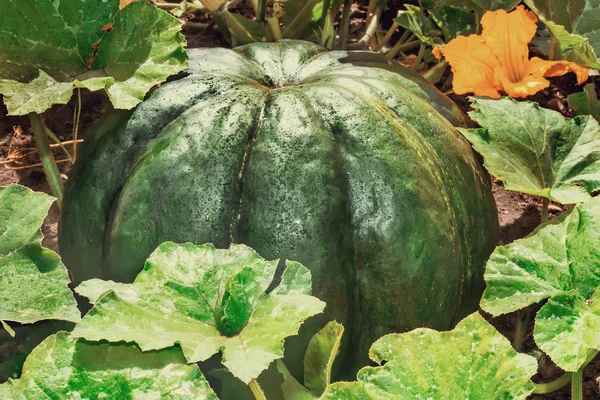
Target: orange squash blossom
<point x="123" y="3"/>
<point x="498" y="59"/>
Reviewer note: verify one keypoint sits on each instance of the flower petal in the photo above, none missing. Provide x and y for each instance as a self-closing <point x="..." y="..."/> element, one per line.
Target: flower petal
<point x="472" y="63"/>
<point x="530" y="84"/>
<point x="560" y="68"/>
<point x="437" y="51"/>
<point x="507" y="35"/>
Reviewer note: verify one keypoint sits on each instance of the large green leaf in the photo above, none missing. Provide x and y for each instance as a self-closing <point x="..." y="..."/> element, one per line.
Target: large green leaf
<point x="560" y="261"/>
<point x="537" y="151"/>
<point x="33" y="280"/>
<point x="586" y="102"/>
<point x="574" y="25"/>
<point x="14" y="350"/>
<point x="64" y="368"/>
<point x="473" y="361"/>
<point x="48" y="48"/>
<point x="558" y="257"/>
<point x="453" y="21"/>
<point x="567" y="328"/>
<point x="320" y="355"/>
<point x="206" y="300"/>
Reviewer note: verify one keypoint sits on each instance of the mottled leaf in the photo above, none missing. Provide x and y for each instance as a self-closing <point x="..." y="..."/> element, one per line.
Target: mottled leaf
<point x="347" y="391"/>
<point x="93" y="289"/>
<point x="206" y="300"/>
<point x="559" y="256"/>
<point x="537" y="151"/>
<point x="64" y="368"/>
<point x="473" y="361"/>
<point x="586" y="102"/>
<point x="84" y="44"/>
<point x="33" y="280"/>
<point x="322" y="350"/>
<point x="453" y="21"/>
<point x="479" y="7"/>
<point x="560" y="261"/>
<point x="14" y="350"/>
<point x="574" y="25"/>
<point x="567" y="328"/>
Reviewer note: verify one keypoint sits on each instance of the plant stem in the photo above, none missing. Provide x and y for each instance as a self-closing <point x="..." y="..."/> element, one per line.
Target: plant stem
<point x="274" y="28"/>
<point x="577" y="377"/>
<point x="522" y="320"/>
<point x="261" y="13"/>
<point x="345" y="24"/>
<point x="549" y="387"/>
<point x="48" y="163"/>
<point x="256" y="390"/>
<point x="178" y="5"/>
<point x="402" y="47"/>
<point x="576" y="384"/>
<point x="301" y="20"/>
<point x="545" y="203"/>
<point x="387" y="36"/>
<point x="419" y="57"/>
<point x="199" y="26"/>
<point x="76" y="124"/>
<point x="373" y="25"/>
<point x="238" y="31"/>
<point x="435" y="74"/>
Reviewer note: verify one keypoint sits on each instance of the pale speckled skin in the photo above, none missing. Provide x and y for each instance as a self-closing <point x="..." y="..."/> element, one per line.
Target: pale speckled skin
<point x="337" y="160"/>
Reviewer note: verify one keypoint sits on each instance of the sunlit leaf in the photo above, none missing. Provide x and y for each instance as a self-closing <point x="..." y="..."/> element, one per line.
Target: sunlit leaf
<point x="560" y="261"/>
<point x="33" y="280"/>
<point x="84" y="44"/>
<point x="537" y="151"/>
<point x="63" y="368"/>
<point x="320" y="355"/>
<point x="473" y="361"/>
<point x="206" y="300"/>
<point x="567" y="328"/>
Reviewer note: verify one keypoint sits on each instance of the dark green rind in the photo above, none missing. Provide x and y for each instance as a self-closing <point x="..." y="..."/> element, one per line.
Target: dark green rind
<point x="104" y="165"/>
<point x="204" y="148"/>
<point x="347" y="169"/>
<point x="294" y="206"/>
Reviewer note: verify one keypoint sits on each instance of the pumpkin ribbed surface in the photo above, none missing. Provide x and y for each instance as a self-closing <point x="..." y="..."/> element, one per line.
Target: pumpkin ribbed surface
<point x="337" y="160"/>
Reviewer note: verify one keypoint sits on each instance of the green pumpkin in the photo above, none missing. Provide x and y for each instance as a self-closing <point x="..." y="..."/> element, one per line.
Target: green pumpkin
<point x="338" y="160"/>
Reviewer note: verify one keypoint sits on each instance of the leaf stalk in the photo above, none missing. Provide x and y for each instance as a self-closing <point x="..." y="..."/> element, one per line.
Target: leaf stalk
<point x="553" y="386"/>
<point x="545" y="203"/>
<point x="577" y="377"/>
<point x="45" y="152"/>
<point x="256" y="390"/>
<point x="387" y="36"/>
<point x="345" y="24"/>
<point x="522" y="320"/>
<point x="399" y="47"/>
